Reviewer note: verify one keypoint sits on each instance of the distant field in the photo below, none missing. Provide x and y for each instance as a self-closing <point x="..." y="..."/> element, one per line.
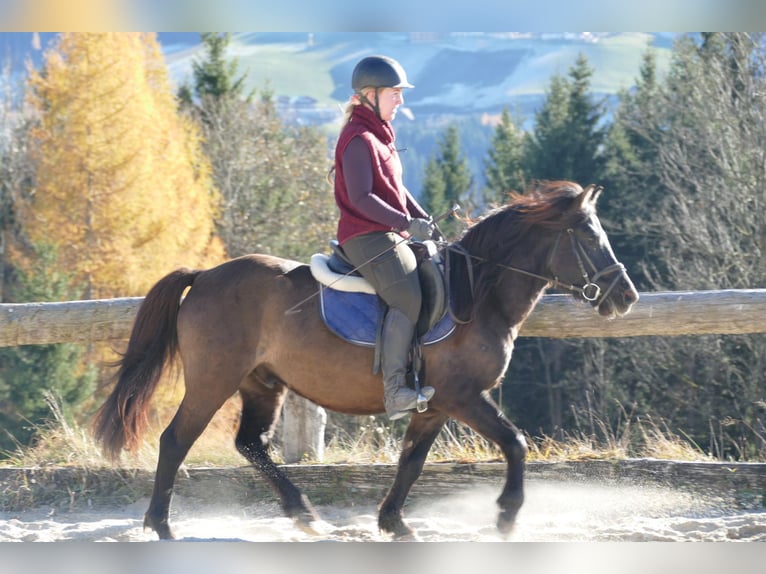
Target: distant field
<point x="458" y="73"/>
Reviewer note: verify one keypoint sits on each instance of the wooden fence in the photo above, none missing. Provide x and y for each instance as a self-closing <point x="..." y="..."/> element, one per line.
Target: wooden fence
<point x="726" y="312"/>
<point x="557" y="316"/>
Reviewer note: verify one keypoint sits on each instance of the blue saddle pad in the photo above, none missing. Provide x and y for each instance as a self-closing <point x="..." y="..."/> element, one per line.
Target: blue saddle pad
<point x="354" y="317"/>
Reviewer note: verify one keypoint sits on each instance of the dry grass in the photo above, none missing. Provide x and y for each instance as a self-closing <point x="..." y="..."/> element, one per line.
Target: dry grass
<point x="63" y="443"/>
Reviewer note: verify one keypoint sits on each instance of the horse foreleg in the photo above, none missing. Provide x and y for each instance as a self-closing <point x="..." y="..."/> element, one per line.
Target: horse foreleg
<point x="260" y="412"/>
<point x="484" y="416"/>
<point x="421" y="433"/>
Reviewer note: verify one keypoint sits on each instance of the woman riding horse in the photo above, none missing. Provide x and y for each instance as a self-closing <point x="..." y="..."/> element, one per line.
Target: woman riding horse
<point x="378" y="214"/>
<point x="231" y="328"/>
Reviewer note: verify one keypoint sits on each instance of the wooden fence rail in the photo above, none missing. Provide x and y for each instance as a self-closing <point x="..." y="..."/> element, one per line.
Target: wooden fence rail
<point x="734" y="311"/>
<point x="558" y="316"/>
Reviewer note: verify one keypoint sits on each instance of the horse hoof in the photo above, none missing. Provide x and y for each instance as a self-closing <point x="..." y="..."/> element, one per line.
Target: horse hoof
<point x="305" y="517"/>
<point x="411" y="536"/>
<point x="505" y="525"/>
<point x="397" y="529"/>
<point x="306" y="527"/>
<point x="161" y="528"/>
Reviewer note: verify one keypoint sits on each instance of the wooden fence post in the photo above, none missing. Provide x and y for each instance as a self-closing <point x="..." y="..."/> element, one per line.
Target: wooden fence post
<point x="303" y="426"/>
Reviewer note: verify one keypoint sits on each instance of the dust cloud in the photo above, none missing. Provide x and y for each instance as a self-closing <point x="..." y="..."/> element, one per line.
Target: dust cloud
<point x="553" y="512"/>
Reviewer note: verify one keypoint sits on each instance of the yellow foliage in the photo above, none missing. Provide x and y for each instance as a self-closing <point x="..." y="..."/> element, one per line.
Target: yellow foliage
<point x="122" y="187"/>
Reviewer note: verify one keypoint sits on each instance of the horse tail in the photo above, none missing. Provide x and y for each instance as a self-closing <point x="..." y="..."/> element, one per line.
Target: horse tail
<point x="120" y="422"/>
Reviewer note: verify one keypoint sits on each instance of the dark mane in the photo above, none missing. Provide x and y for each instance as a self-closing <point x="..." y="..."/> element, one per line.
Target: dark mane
<point x="517" y="227"/>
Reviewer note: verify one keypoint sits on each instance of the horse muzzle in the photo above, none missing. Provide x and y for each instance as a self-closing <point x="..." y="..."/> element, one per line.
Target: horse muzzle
<point x="619" y="298"/>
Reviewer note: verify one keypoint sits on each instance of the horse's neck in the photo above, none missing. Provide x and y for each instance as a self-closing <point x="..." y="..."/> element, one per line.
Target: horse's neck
<point x="517" y="297"/>
<point x="514" y="294"/>
<point x="510" y="294"/>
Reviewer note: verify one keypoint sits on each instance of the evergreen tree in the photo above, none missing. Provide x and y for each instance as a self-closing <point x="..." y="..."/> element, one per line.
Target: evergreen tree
<point x="434" y="192"/>
<point x="15" y="173"/>
<point x="504" y="166"/>
<point x="216" y="75"/>
<point x="567" y="138"/>
<point x="122" y="189"/>
<point x="448" y="180"/>
<point x="585" y="136"/>
<point x="685" y="170"/>
<point x="632" y="184"/>
<point x="545" y="149"/>
<point x="29" y="372"/>
<point x="557" y="380"/>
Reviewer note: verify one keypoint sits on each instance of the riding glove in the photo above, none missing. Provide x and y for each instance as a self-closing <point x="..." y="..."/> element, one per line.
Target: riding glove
<point x="421" y="229"/>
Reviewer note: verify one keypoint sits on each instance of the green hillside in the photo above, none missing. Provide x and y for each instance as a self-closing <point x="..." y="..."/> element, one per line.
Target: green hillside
<point x="453" y="73"/>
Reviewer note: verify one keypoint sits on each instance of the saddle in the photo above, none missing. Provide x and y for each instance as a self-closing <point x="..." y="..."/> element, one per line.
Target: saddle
<point x="352" y="310"/>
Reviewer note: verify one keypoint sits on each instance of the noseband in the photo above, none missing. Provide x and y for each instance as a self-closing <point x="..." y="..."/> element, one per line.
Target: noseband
<point x="590" y="290"/>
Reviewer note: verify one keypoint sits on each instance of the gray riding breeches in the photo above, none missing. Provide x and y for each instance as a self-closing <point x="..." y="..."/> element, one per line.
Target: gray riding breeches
<point x="388" y="263"/>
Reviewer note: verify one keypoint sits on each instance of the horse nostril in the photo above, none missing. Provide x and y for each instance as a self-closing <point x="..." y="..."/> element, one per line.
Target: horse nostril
<point x="631" y="296"/>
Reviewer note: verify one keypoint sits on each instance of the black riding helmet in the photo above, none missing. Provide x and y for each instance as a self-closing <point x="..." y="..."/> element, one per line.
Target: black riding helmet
<point x="378" y="72"/>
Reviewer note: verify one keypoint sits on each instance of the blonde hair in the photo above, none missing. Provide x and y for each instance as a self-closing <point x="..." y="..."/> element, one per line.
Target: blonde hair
<point x="353" y="101"/>
<point x="356" y="100"/>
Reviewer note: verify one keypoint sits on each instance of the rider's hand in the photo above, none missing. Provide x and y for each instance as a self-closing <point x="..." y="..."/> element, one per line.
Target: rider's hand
<point x="421" y="229"/>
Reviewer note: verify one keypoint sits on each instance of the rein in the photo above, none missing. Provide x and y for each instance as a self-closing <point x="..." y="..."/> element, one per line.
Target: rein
<point x="590" y="290"/>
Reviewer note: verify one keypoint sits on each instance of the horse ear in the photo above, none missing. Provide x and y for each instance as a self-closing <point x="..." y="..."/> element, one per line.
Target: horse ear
<point x="590" y="195"/>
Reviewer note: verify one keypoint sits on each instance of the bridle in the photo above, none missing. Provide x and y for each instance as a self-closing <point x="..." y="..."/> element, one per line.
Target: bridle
<point x="590" y="290"/>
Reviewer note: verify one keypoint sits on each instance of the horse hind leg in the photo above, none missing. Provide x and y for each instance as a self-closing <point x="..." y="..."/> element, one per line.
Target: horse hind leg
<point x="262" y="399"/>
<point x="187" y="425"/>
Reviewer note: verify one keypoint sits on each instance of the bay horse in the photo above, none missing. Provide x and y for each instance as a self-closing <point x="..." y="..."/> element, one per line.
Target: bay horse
<point x="230" y="326"/>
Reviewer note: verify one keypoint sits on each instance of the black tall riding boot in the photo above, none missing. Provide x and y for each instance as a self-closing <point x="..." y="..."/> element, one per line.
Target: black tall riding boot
<point x="398" y="332"/>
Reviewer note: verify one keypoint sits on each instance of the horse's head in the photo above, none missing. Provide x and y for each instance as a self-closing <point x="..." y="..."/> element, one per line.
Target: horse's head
<point x="582" y="260"/>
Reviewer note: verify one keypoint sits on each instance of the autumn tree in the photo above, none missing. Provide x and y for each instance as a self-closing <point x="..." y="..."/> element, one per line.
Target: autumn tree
<point x="122" y="188"/>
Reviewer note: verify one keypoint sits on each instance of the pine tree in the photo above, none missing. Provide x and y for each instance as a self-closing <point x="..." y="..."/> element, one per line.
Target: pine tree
<point x="504" y="166"/>
<point x="434" y="192"/>
<point x="631" y="181"/>
<point x="30" y="373"/>
<point x="568" y="137"/>
<point x="448" y="180"/>
<point x="215" y="75"/>
<point x="585" y="135"/>
<point x="122" y="188"/>
<point x="545" y="149"/>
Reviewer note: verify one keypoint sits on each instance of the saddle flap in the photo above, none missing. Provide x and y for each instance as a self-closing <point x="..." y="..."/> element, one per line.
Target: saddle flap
<point x="355" y="318"/>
